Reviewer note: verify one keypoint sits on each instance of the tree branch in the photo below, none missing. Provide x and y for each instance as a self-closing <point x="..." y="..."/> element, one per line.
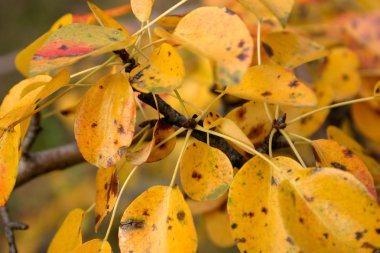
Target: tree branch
<point x="42" y="162"/>
<point x="175" y="118"/>
<point x="31" y="135"/>
<point x="9" y="227"/>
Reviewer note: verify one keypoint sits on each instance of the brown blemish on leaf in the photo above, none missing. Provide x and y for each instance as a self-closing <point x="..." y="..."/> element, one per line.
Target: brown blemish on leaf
<point x="115" y="142"/>
<point x="300" y="220"/>
<point x="114" y="184"/>
<point x="264" y="210"/>
<point x="101" y="87"/>
<point x="132" y="224"/>
<point x="197" y="176"/>
<point x="234" y="225"/>
<point x="348" y="153"/>
<point x="293" y="84"/>
<point x="338" y="166"/>
<point x="146" y="212"/>
<point x="63" y="47"/>
<point x="266" y="93"/>
<point x="97" y="218"/>
<point x="268" y="49"/>
<point x="345" y="77"/>
<point x="326" y="235"/>
<point x="241" y="43"/>
<point x="250" y="214"/>
<point x="377" y="230"/>
<point x="120" y="129"/>
<point x="308" y="199"/>
<point x="93" y="125"/>
<point x="181" y="215"/>
<point x="273" y="181"/>
<point x="242" y="56"/>
<point x="241" y="113"/>
<point x="228" y="11"/>
<point x="358" y="235"/>
<point x="256" y="131"/>
<point x="290" y="240"/>
<point x="240" y="240"/>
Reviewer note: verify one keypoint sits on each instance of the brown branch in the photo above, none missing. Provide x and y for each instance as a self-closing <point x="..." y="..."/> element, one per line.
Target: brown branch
<point x="9" y="227"/>
<point x="31" y="135"/>
<point x="175" y="118"/>
<point x="42" y="162"/>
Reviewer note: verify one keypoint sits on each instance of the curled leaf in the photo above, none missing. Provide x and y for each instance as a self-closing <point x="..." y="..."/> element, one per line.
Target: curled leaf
<point x="273" y="84"/>
<point x="107" y="189"/>
<point x="206" y="172"/>
<point x="103" y="140"/>
<point x="164" y="71"/>
<point x="69" y="235"/>
<point x="159" y="220"/>
<point x="220" y="35"/>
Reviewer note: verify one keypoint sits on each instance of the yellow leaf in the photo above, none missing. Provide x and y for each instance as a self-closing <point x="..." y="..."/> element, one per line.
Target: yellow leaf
<point x="342" y="74"/>
<point x="206" y="172"/>
<point x="339" y="136"/>
<point x="254" y="208"/>
<point x="142" y="9"/>
<point x="105" y="19"/>
<point x="273" y="84"/>
<point x="307" y="126"/>
<point x="107" y="189"/>
<point x="366" y="120"/>
<point x="169" y="21"/>
<point x="66" y="19"/>
<point x="220" y="35"/>
<point x="69" y="235"/>
<point x="23" y="58"/>
<point x="329" y="210"/>
<point x="218" y="228"/>
<point x="93" y="246"/>
<point x="163" y="72"/>
<point x="252" y="120"/>
<point x="9" y="159"/>
<point x="159" y="220"/>
<point x="330" y="153"/>
<point x="291" y="50"/>
<point x="162" y="131"/>
<point x="264" y="8"/>
<point x="105" y="120"/>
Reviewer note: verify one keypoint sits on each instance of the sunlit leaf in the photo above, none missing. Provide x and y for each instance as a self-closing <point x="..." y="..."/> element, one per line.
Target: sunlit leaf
<point x="105" y="19"/>
<point x="142" y="9"/>
<point x="93" y="246"/>
<point x="366" y="120"/>
<point x="253" y="206"/>
<point x="339" y="136"/>
<point x="9" y="159"/>
<point x="341" y="73"/>
<point x="291" y="50"/>
<point x="218" y="228"/>
<point x="69" y="235"/>
<point x="329" y="210"/>
<point x="105" y="120"/>
<point x="309" y="125"/>
<point x="107" y="188"/>
<point x="332" y="154"/>
<point x="252" y="120"/>
<point x="36" y="91"/>
<point x="159" y="220"/>
<point x="74" y="42"/>
<point x="206" y="172"/>
<point x="264" y="8"/>
<point x="163" y="72"/>
<point x="220" y="35"/>
<point x="273" y="84"/>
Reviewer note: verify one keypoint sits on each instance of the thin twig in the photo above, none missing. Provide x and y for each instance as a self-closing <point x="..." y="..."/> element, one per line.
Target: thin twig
<point x="9" y="227"/>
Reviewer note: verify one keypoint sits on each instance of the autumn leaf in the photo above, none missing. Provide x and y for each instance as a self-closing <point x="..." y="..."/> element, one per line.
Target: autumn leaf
<point x="142" y="9"/>
<point x="69" y="235"/>
<point x="107" y="189"/>
<point x="164" y="71"/>
<point x="159" y="220"/>
<point x="323" y="211"/>
<point x="73" y="42"/>
<point x="93" y="246"/>
<point x="206" y="172"/>
<point x="232" y="54"/>
<point x="273" y="84"/>
<point x="218" y="228"/>
<point x="103" y="140"/>
<point x="366" y="120"/>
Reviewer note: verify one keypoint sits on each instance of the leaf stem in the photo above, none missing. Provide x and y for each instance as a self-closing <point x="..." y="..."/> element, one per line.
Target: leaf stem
<point x="286" y="136"/>
<point x="329" y="107"/>
<point x="181" y="102"/>
<point x="271" y="141"/>
<point x="300" y="137"/>
<point x="188" y="134"/>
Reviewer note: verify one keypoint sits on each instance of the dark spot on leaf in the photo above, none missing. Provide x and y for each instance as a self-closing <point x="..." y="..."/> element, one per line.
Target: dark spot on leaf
<point x="100" y="156"/>
<point x="113" y="39"/>
<point x="154" y="227"/>
<point x="300" y="220"/>
<point x="377" y="230"/>
<point x="63" y="47"/>
<point x="146" y="212"/>
<point x="242" y="56"/>
<point x="121" y="151"/>
<point x="105" y="186"/>
<point x="266" y="93"/>
<point x="120" y="129"/>
<point x="338" y="166"/>
<point x="181" y="215"/>
<point x="273" y="181"/>
<point x="234" y="225"/>
<point x="345" y="77"/>
<point x="348" y="153"/>
<point x="326" y="235"/>
<point x="293" y="84"/>
<point x="256" y="131"/>
<point x="290" y="240"/>
<point x="268" y="49"/>
<point x="170" y="227"/>
<point x="308" y="199"/>
<point x="101" y="87"/>
<point x="197" y="176"/>
<point x="93" y="125"/>
<point x="264" y="210"/>
<point x="115" y="142"/>
<point x="250" y="214"/>
<point x="109" y="161"/>
<point x="358" y="235"/>
<point x="169" y="53"/>
<point x="240" y="240"/>
<point x="241" y="113"/>
<point x="132" y="224"/>
<point x="97" y="218"/>
<point x="151" y="77"/>
<point x="241" y="43"/>
<point x="230" y="12"/>
<point x="228" y="49"/>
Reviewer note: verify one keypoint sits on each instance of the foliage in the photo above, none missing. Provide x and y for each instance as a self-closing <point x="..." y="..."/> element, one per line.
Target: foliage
<point x="252" y="86"/>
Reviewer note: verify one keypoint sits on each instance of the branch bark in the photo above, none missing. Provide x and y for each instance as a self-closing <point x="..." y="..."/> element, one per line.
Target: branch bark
<point x="9" y="227"/>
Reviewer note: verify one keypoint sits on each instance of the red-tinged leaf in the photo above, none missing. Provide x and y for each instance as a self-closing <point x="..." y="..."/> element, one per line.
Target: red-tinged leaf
<point x="159" y="220"/>
<point x="103" y="140"/>
<point x="273" y="84"/>
<point x="332" y="154"/>
<point x="69" y="235"/>
<point x="9" y="159"/>
<point x="93" y="246"/>
<point x="220" y="35"/>
<point x="329" y="210"/>
<point x="74" y="42"/>
<point x="107" y="189"/>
